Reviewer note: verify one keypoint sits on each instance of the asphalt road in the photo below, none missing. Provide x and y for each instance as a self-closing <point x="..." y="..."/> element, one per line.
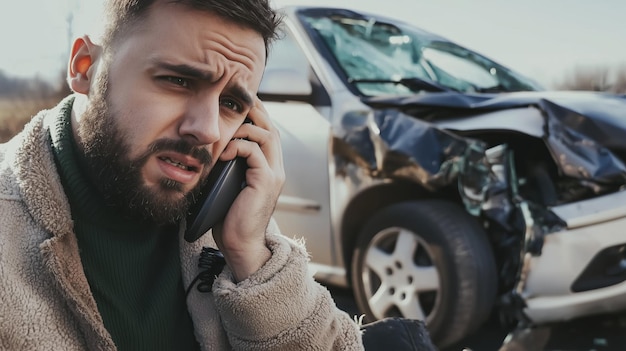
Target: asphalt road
<point x="598" y="333"/>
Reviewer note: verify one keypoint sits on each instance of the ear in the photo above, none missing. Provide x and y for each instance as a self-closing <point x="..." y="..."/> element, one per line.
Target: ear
<point x="81" y="68"/>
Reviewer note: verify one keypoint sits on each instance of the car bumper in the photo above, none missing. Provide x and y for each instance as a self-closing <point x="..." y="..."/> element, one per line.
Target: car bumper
<point x="593" y="225"/>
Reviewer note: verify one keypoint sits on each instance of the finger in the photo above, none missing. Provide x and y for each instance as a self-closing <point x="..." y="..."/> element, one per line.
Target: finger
<point x="264" y="134"/>
<point x="251" y="151"/>
<point x="268" y="139"/>
<point x="258" y="115"/>
<point x="267" y="160"/>
<point x="269" y="143"/>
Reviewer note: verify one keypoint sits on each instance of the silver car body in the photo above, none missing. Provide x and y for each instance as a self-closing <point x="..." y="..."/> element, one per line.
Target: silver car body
<point x="317" y="196"/>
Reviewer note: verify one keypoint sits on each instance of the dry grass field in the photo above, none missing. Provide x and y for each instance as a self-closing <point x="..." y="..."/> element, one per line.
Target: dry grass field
<point x="15" y="112"/>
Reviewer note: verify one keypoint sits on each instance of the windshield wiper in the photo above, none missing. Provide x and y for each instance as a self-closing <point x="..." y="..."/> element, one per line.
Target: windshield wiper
<point x="492" y="89"/>
<point x="413" y="83"/>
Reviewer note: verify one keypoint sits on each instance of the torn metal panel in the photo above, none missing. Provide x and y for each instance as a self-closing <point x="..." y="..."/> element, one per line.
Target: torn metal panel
<point x="584" y="131"/>
<point x="577" y="145"/>
<point x="484" y="183"/>
<point x="392" y="144"/>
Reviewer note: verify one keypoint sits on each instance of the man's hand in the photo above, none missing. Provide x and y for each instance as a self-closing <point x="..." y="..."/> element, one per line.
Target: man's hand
<point x="241" y="237"/>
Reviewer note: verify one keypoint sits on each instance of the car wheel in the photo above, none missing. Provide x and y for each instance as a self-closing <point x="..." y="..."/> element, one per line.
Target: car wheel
<point x="427" y="260"/>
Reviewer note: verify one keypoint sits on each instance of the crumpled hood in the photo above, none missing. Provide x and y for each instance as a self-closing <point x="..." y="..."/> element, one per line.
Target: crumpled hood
<point x="599" y="116"/>
<point x="584" y="131"/>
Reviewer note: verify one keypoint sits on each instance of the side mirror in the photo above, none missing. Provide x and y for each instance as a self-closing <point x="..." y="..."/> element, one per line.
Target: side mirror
<point x="285" y="85"/>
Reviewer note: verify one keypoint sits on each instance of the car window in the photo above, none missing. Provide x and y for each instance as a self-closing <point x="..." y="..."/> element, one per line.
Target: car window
<point x="364" y="59"/>
<point x="381" y="56"/>
<point x="287" y="54"/>
<point x="456" y="72"/>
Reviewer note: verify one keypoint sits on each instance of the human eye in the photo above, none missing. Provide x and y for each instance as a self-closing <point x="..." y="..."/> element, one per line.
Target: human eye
<point x="231" y="104"/>
<point x="179" y="81"/>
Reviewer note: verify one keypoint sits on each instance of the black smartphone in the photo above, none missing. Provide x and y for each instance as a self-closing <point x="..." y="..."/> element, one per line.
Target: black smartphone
<point x="224" y="183"/>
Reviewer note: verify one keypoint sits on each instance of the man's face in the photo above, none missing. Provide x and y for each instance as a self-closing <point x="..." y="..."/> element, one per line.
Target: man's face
<point x="170" y="98"/>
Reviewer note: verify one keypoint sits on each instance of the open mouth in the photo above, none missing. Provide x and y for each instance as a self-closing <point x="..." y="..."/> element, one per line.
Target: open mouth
<point x="178" y="164"/>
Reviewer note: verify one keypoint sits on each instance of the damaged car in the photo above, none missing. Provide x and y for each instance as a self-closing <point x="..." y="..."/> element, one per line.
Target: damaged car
<point x="440" y="185"/>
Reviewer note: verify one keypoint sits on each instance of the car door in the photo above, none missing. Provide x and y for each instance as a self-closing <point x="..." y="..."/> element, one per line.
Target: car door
<point x="303" y="209"/>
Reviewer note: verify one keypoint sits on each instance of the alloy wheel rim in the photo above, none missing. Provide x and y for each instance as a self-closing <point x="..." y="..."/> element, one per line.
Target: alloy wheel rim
<point x="399" y="276"/>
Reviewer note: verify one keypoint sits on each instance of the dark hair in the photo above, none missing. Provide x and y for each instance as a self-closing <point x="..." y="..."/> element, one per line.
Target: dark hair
<point x="254" y="14"/>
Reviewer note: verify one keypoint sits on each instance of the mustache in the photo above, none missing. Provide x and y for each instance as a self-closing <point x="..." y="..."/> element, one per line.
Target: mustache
<point x="180" y="146"/>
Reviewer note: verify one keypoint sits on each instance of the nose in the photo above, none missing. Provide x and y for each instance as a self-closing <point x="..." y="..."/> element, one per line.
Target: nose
<point x="200" y="122"/>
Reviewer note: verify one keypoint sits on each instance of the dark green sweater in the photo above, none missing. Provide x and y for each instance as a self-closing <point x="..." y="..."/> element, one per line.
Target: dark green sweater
<point x="133" y="268"/>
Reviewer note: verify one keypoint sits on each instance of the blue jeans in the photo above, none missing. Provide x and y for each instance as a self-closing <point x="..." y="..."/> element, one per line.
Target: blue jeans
<point x="397" y="334"/>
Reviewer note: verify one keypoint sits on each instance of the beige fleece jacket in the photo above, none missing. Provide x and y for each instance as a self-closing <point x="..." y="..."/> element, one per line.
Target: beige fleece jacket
<point x="46" y="300"/>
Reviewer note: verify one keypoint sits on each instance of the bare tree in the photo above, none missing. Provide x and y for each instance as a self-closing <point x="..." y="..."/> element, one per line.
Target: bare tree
<point x="595" y="78"/>
<point x="620" y="80"/>
<point x="21" y="98"/>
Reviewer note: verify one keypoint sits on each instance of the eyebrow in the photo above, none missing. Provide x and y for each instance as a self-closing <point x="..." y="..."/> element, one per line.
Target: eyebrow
<point x="195" y="73"/>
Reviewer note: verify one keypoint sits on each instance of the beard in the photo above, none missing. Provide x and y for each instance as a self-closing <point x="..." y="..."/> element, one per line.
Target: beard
<point x="119" y="178"/>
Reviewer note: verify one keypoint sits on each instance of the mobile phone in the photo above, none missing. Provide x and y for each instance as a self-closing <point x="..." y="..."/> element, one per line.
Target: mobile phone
<point x="224" y="183"/>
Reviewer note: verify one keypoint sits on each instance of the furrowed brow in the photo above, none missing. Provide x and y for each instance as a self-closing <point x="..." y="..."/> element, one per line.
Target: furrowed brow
<point x="242" y="94"/>
<point x="186" y="71"/>
<point x="192" y="72"/>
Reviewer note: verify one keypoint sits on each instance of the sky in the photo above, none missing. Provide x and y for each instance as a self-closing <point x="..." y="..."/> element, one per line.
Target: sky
<point x="543" y="39"/>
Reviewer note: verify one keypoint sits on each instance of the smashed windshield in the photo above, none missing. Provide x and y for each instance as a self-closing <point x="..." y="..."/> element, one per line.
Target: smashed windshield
<point x="383" y="57"/>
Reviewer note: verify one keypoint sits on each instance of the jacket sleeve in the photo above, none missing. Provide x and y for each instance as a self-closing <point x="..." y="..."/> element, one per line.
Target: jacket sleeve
<point x="281" y="306"/>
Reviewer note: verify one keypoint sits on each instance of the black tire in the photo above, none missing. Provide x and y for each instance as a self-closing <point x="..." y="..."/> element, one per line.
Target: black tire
<point x="446" y="275"/>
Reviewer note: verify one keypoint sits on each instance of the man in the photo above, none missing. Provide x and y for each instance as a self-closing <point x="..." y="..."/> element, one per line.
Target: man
<point x="94" y="195"/>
